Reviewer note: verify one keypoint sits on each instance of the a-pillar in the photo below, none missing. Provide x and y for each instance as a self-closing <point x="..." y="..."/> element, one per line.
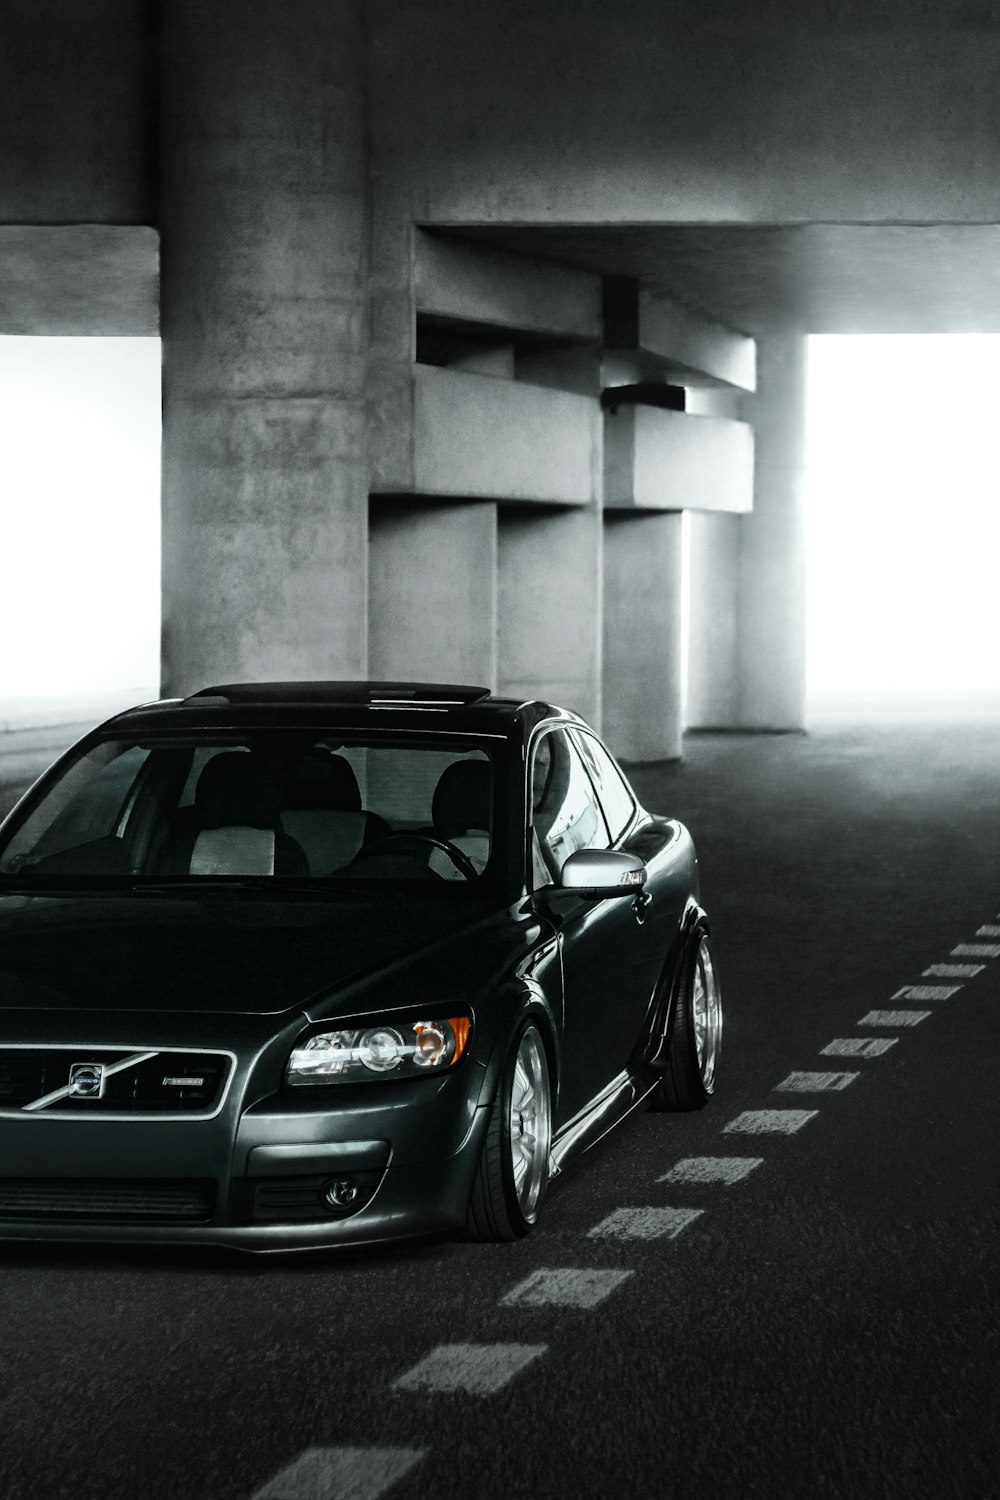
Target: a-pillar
<point x="643" y="628"/>
<point x="771" y="647"/>
<point x="549" y="607"/>
<point x="433" y="592"/>
<point x="263" y="224"/>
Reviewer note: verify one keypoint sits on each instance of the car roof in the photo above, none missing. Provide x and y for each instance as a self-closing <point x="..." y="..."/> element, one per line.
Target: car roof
<point x="458" y="708"/>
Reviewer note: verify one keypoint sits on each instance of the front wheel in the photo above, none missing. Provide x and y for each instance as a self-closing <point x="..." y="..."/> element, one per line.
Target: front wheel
<point x="694" y="1034"/>
<point x="514" y="1168"/>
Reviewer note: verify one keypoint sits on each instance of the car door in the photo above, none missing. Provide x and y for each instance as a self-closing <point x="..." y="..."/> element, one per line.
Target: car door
<point x="611" y="957"/>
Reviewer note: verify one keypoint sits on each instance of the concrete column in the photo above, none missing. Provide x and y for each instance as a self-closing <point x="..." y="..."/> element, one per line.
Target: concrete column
<point x="263" y="254"/>
<point x="772" y="585"/>
<point x="713" y="688"/>
<point x="433" y="592"/>
<point x="549" y="607"/>
<point x="643" y="625"/>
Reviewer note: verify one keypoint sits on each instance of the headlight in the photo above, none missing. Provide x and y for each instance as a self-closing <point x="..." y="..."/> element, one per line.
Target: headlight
<point x="397" y="1049"/>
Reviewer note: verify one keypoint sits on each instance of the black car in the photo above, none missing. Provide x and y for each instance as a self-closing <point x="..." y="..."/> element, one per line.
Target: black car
<point x="305" y="964"/>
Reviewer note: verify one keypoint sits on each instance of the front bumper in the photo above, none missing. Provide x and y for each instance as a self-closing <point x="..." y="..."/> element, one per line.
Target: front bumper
<point x="253" y="1178"/>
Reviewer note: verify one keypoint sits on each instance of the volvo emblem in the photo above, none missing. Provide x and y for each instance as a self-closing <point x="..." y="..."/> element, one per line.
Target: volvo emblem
<point x="86" y="1080"/>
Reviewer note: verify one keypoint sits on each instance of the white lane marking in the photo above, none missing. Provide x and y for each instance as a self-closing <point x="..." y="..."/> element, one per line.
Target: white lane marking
<point x="476" y="1369"/>
<point x="975" y="950"/>
<point x="340" y="1474"/>
<point x="894" y="1017"/>
<point x="858" y="1046"/>
<point x="953" y="971"/>
<point x="549" y="1287"/>
<point x="726" y="1169"/>
<point x="645" y="1223"/>
<point x="926" y="992"/>
<point x="769" y="1121"/>
<point x="814" y="1083"/>
<point x="988" y="931"/>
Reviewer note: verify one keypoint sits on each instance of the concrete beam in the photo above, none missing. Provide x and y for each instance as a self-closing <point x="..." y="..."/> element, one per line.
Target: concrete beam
<point x="433" y="592"/>
<point x="668" y="460"/>
<point x="642" y="635"/>
<point x="478" y="284"/>
<point x="503" y="439"/>
<point x="86" y="279"/>
<point x="696" y="346"/>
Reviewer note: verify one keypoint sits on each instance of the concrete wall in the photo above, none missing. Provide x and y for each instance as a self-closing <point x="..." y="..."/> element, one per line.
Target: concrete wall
<point x="713" y="686"/>
<point x="263" y="296"/>
<point x="433" y="592"/>
<point x="642" y="663"/>
<point x="549" y="608"/>
<point x="771" y="591"/>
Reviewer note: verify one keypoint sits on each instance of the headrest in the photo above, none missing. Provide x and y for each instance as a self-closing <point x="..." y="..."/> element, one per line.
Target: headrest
<point x="463" y="798"/>
<point x="321" y="780"/>
<point x="232" y="793"/>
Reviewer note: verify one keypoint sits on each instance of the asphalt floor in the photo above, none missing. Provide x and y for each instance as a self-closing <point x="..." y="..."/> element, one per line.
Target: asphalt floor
<point x="825" y="1328"/>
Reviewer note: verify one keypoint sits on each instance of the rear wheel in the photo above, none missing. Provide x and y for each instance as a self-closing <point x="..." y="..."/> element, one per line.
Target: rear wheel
<point x="514" y="1168"/>
<point x="694" y="1035"/>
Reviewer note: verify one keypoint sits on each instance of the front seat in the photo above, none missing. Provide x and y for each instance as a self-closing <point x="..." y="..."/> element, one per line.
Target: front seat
<point x="321" y="809"/>
<point x="462" y="812"/>
<point x="237" y="827"/>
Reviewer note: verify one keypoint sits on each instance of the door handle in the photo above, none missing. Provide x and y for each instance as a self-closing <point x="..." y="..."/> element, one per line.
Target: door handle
<point x="641" y="905"/>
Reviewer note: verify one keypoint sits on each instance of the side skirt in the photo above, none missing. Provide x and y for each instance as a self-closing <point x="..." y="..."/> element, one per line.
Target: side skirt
<point x="622" y="1096"/>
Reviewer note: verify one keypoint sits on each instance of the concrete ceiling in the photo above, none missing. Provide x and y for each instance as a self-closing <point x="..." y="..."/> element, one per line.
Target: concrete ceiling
<point x="820" y="278"/>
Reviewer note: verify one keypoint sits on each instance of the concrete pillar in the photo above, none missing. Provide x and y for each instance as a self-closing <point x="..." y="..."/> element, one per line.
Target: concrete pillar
<point x="263" y="255"/>
<point x="713" y="688"/>
<point x="772" y="584"/>
<point x="549" y="607"/>
<point x="643" y="626"/>
<point x="433" y="592"/>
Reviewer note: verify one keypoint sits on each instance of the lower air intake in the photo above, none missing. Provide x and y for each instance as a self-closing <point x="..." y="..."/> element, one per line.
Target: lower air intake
<point x="133" y="1200"/>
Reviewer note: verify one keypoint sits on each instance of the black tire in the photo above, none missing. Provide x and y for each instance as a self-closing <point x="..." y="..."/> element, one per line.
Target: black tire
<point x="694" y="1032"/>
<point x="504" y="1203"/>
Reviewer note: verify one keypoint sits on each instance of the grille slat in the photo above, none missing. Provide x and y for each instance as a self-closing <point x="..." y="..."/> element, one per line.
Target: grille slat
<point x="28" y="1073"/>
<point x="150" y="1199"/>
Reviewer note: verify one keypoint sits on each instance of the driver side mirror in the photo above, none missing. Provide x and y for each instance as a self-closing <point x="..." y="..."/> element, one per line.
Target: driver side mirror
<point x="603" y="873"/>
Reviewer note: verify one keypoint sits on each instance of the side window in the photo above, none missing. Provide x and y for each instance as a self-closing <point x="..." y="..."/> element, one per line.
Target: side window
<point x="566" y="815"/>
<point x="615" y="797"/>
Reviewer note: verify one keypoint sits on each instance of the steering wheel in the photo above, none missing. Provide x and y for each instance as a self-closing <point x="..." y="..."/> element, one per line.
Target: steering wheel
<point x="404" y="837"/>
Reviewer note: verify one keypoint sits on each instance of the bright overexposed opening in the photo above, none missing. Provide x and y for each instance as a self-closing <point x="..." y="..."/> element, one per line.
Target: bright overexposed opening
<point x="903" y="523"/>
<point x="80" y="488"/>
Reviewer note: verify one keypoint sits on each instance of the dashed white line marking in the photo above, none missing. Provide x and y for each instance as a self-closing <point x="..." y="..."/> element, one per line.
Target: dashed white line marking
<point x="476" y="1369"/>
<point x="894" y="1017"/>
<point x="726" y="1169"/>
<point x="340" y="1474"/>
<point x="858" y="1046"/>
<point x="564" y="1288"/>
<point x="988" y="931"/>
<point x="769" y="1121"/>
<point x="953" y="971"/>
<point x="645" y="1223"/>
<point x="976" y="950"/>
<point x="815" y="1083"/>
<point x="926" y="992"/>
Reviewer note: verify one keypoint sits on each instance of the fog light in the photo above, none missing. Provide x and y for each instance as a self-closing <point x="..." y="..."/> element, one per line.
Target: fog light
<point x="341" y="1193"/>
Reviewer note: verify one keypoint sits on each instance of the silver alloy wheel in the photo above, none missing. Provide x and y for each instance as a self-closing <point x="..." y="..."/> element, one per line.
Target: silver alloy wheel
<point x="706" y="1009"/>
<point x="530" y="1122"/>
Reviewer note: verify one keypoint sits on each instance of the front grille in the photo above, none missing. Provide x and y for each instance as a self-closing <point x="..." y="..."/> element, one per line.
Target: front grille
<point x="171" y="1083"/>
<point x="137" y="1200"/>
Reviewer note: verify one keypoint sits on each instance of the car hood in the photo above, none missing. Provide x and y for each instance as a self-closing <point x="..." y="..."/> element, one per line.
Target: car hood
<point x="165" y="953"/>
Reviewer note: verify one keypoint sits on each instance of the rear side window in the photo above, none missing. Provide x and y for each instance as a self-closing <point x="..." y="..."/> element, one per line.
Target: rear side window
<point x="615" y="797"/>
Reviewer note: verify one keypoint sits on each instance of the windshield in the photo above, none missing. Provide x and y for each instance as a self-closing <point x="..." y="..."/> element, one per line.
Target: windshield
<point x="271" y="805"/>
